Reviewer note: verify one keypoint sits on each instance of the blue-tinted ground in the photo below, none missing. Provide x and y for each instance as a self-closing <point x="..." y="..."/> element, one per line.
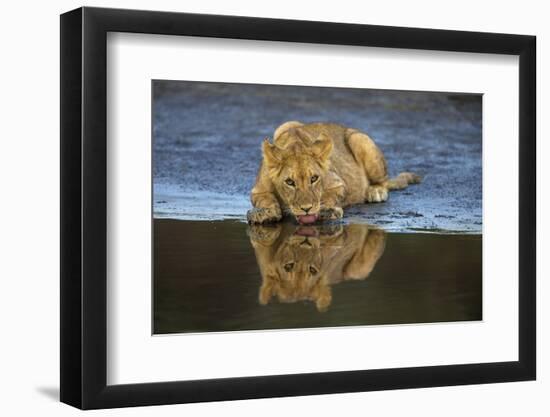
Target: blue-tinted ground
<point x="207" y="136"/>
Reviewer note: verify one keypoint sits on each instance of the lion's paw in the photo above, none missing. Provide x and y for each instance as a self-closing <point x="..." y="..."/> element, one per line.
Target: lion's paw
<point x="331" y="213"/>
<point x="264" y="235"/>
<point x="377" y="194"/>
<point x="263" y="215"/>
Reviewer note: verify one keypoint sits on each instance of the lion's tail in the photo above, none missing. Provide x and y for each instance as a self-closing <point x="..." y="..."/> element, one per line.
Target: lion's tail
<point x="402" y="181"/>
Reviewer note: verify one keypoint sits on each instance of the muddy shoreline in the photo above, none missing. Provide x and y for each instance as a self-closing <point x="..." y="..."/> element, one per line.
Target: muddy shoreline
<point x="207" y="136"/>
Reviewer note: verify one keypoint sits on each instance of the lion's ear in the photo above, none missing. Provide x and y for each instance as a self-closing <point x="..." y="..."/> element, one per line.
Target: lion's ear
<point x="266" y="291"/>
<point x="322" y="147"/>
<point x="272" y="154"/>
<point x="324" y="297"/>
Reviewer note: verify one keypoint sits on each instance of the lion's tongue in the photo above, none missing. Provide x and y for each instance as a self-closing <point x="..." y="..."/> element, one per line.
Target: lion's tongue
<point x="310" y="218"/>
<point x="306" y="231"/>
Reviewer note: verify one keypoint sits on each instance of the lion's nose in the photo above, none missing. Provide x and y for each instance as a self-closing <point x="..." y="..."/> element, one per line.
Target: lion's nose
<point x="306" y="242"/>
<point x="306" y="209"/>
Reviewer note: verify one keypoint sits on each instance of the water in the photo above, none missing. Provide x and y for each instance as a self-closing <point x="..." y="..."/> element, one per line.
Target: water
<point x="227" y="276"/>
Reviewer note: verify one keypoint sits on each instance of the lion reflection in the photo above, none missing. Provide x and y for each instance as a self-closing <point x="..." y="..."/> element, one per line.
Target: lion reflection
<point x="303" y="262"/>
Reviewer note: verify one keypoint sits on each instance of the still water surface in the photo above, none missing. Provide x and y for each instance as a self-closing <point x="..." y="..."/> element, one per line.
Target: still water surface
<point x="227" y="276"/>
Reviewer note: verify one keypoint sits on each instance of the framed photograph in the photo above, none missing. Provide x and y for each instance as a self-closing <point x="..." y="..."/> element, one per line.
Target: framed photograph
<point x="259" y="208"/>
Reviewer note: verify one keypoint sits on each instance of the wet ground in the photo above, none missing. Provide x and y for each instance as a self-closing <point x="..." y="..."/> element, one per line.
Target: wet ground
<point x="206" y="147"/>
<point x="223" y="276"/>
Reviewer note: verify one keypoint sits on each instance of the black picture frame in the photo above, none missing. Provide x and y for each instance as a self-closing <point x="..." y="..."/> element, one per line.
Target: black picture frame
<point x="84" y="207"/>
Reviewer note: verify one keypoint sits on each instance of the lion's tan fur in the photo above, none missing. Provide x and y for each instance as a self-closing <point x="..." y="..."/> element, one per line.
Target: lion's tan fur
<point x="349" y="166"/>
<point x="303" y="268"/>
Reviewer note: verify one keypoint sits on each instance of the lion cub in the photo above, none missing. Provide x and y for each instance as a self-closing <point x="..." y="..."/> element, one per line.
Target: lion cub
<point x="303" y="262"/>
<point x="311" y="171"/>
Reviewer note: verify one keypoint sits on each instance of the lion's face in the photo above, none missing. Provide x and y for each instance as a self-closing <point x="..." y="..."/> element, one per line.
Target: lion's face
<point x="297" y="271"/>
<point x="298" y="172"/>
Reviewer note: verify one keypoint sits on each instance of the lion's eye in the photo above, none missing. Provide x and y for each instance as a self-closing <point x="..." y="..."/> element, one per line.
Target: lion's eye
<point x="314" y="178"/>
<point x="312" y="270"/>
<point x="288" y="267"/>
<point x="290" y="182"/>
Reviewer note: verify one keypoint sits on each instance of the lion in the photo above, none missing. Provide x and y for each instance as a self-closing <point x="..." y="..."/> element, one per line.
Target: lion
<point x="301" y="263"/>
<point x="312" y="171"/>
